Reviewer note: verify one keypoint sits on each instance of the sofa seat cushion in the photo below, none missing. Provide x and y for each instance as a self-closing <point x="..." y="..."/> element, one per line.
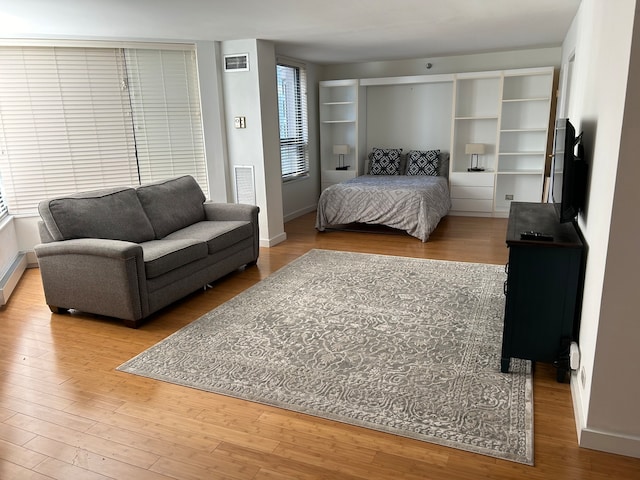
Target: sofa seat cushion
<point x="217" y="234"/>
<point x="162" y="256"/>
<point x="113" y="214"/>
<point x="172" y="204"/>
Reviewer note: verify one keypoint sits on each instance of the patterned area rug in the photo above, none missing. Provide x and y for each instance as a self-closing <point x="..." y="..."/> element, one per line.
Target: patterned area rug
<point x="402" y="345"/>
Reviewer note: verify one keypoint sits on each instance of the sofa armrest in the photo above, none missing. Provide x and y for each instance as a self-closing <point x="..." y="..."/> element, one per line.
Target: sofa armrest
<point x="231" y="211"/>
<point x="89" y="246"/>
<point x="105" y="277"/>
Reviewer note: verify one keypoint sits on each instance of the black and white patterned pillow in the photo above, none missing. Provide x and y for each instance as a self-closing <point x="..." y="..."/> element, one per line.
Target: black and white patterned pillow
<point x="421" y="162"/>
<point x="385" y="161"/>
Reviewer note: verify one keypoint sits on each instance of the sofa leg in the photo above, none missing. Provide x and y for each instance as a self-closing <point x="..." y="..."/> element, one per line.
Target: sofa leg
<point x="253" y="263"/>
<point x="131" y="323"/>
<point x="60" y="310"/>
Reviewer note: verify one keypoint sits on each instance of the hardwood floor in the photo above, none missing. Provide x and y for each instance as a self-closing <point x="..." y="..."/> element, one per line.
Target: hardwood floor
<point x="66" y="413"/>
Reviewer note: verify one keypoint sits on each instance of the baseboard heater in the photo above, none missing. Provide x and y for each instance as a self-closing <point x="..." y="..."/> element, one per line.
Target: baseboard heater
<point x="11" y="277"/>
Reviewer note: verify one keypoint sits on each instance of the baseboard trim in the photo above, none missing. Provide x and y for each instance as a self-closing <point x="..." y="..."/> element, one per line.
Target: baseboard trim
<point x="300" y="212"/>
<point x="270" y="242"/>
<point x="610" y="442"/>
<point x="601" y="440"/>
<point x="12" y="276"/>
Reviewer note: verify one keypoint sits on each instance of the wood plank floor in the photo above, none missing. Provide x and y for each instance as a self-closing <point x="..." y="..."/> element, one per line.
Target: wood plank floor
<point x="66" y="413"/>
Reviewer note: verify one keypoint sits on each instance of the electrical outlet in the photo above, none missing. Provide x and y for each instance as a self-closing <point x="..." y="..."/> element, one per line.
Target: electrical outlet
<point x="508" y="196"/>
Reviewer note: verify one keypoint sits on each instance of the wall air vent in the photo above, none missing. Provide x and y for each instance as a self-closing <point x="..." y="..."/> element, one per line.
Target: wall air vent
<point x="245" y="187"/>
<point x="236" y="63"/>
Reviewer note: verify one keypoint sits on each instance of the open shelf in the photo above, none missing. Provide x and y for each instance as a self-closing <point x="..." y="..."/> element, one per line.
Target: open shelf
<point x="341" y="104"/>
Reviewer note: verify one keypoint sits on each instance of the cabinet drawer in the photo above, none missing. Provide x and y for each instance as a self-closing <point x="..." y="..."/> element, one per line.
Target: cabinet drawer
<point x="337" y="176"/>
<point x="472" y="179"/>
<point x="478" y="193"/>
<point x="470" y="205"/>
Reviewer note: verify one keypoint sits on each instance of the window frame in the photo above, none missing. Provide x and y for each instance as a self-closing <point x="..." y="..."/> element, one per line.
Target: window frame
<point x="293" y="165"/>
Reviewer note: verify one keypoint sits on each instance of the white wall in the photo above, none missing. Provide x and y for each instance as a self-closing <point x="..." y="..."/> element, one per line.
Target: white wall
<point x="269" y="123"/>
<point x="411" y="117"/>
<point x="604" y="105"/>
<point x="252" y="94"/>
<point x="540" y="57"/>
<point x="213" y="121"/>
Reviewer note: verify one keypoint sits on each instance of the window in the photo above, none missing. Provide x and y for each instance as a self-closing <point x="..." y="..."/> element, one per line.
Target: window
<point x="74" y="119"/>
<point x="292" y="113"/>
<point x="165" y="101"/>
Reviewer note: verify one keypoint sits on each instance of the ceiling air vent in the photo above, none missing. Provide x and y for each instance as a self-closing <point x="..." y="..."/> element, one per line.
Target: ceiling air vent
<point x="236" y="63"/>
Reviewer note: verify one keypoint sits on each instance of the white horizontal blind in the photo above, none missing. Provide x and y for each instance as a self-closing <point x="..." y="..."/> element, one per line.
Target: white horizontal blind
<point x="65" y="123"/>
<point x="292" y="113"/>
<point x="165" y="100"/>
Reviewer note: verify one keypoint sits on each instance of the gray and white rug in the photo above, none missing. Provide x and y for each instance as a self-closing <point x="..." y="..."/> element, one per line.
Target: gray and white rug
<point x="402" y="345"/>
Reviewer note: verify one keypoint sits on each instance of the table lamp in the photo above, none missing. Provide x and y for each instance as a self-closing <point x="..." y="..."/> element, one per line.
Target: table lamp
<point x="341" y="151"/>
<point x="474" y="149"/>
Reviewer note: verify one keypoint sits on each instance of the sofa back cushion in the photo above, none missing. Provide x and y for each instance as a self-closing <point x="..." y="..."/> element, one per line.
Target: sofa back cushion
<point x="172" y="204"/>
<point x="114" y="213"/>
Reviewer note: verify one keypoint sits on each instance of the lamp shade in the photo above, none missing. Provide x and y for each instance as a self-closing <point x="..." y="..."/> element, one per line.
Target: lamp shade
<point x="472" y="148"/>
<point x="341" y="149"/>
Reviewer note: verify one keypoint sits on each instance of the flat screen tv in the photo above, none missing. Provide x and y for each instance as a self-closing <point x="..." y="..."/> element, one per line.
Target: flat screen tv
<point x="568" y="172"/>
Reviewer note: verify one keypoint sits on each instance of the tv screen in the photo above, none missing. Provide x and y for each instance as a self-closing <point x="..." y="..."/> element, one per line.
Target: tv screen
<point x="568" y="172"/>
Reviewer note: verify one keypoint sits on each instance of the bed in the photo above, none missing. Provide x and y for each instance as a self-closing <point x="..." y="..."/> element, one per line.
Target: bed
<point x="394" y="197"/>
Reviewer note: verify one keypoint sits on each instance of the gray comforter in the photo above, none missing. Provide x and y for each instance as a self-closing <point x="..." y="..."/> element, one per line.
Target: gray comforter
<point x="414" y="204"/>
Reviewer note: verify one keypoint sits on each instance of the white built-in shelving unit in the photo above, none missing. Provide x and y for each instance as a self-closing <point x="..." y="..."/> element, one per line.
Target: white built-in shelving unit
<point x="476" y="119"/>
<point x="524" y="129"/>
<point x="508" y="111"/>
<point x="341" y="104"/>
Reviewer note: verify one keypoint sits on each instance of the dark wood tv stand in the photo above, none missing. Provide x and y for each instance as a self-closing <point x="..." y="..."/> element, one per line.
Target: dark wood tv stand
<point x="543" y="288"/>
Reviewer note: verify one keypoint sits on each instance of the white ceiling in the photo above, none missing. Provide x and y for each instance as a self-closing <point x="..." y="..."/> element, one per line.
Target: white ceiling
<point x="322" y="31"/>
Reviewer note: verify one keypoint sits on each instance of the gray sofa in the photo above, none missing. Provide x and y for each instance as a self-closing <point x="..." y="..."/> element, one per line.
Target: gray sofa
<point x="128" y="252"/>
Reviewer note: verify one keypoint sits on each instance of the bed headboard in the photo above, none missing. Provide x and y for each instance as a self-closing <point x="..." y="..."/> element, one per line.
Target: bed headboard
<point x="443" y="168"/>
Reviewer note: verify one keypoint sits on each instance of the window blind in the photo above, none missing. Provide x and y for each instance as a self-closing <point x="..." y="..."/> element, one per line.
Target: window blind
<point x="165" y="102"/>
<point x="292" y="113"/>
<point x="75" y="119"/>
<point x="65" y="123"/>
